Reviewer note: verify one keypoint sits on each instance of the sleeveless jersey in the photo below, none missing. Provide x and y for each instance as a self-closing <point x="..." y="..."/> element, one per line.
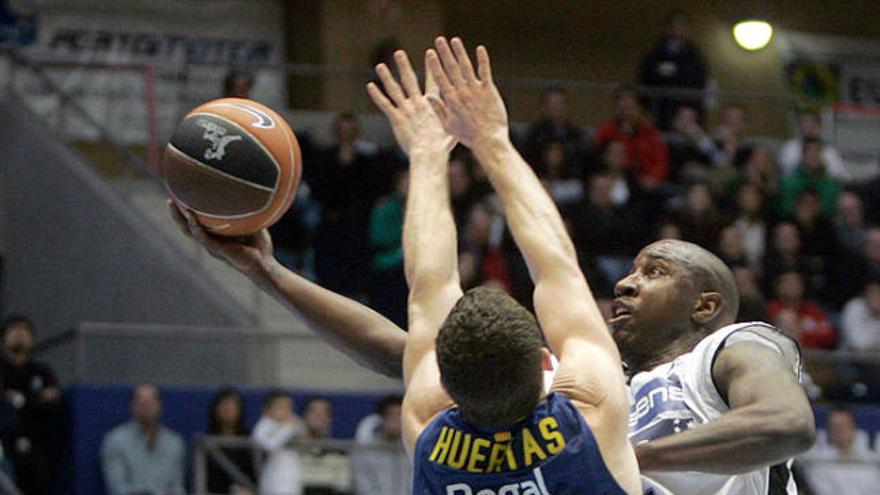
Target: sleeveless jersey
<point x="553" y="451"/>
<point x="681" y="394"/>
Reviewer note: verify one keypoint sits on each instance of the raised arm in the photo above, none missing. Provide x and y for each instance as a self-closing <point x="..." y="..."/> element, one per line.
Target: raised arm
<point x="364" y="335"/>
<point x="429" y="239"/>
<point x="564" y="304"/>
<point x="770" y="419"/>
<point x="590" y="372"/>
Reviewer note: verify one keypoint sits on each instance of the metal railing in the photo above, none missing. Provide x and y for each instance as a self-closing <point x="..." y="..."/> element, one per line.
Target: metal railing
<point x="209" y="448"/>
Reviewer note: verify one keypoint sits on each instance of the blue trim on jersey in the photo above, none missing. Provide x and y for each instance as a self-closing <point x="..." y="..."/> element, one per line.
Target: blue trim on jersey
<point x="553" y="451"/>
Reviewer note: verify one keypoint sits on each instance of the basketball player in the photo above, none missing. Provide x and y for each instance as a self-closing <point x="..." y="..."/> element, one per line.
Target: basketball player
<point x="475" y="416"/>
<point x="708" y="395"/>
<point x="723" y="438"/>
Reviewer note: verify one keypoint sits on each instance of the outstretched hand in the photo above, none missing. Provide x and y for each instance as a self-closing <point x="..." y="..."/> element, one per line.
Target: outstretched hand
<point x="416" y="124"/>
<point x="474" y="110"/>
<point x="246" y="254"/>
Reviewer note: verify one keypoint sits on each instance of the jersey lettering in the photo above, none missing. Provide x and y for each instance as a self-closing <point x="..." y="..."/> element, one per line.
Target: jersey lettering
<point x="528" y="487"/>
<point x="460" y="450"/>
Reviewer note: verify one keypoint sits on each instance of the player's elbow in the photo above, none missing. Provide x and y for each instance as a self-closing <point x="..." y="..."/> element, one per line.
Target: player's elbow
<point x="793" y="429"/>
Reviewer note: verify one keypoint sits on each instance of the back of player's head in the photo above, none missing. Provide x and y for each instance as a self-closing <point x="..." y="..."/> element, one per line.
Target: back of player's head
<point x="489" y="354"/>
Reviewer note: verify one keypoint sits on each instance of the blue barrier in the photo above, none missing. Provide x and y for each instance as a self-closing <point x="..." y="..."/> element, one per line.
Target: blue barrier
<point x="94" y="410"/>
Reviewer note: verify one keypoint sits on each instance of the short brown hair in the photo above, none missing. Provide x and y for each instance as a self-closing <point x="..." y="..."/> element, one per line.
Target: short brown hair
<point x="489" y="354"/>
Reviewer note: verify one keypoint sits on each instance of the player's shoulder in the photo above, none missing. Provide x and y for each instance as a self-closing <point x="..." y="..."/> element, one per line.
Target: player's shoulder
<point x="757" y="332"/>
<point x="696" y="369"/>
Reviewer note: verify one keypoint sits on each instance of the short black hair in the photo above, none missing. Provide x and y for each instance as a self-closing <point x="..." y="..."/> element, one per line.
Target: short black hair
<point x="489" y="355"/>
<point x="214" y="418"/>
<point x="312" y="400"/>
<point x="275" y="394"/>
<point x="810" y="140"/>
<point x="343" y="116"/>
<point x="17" y="320"/>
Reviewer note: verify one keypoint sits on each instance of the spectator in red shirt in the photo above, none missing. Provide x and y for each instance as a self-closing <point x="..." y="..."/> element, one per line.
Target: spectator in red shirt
<point x="646" y="152"/>
<point x="813" y="330"/>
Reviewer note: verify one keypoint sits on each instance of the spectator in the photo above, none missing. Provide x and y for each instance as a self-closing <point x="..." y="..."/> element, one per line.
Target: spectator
<point x="813" y="330"/>
<point x="730" y="135"/>
<point x="276" y="428"/>
<point x="676" y="63"/>
<point x="32" y="388"/>
<point x="226" y="418"/>
<point x="238" y="84"/>
<point x="849" y="224"/>
<point x="142" y="456"/>
<point x="646" y="153"/>
<point x="462" y="194"/>
<point x="481" y="259"/>
<point x="346" y="184"/>
<point x="606" y="236"/>
<point x="558" y="176"/>
<point x="849" y="273"/>
<point x="756" y="167"/>
<point x="860" y="323"/>
<point x="325" y="471"/>
<point x="786" y="255"/>
<point x="388" y="288"/>
<point x="692" y="153"/>
<point x="752" y="306"/>
<point x="870" y="194"/>
<point x="751" y="223"/>
<point x="293" y="234"/>
<point x="699" y="219"/>
<point x="810" y="126"/>
<point x="384" y="469"/>
<point x="730" y="247"/>
<point x="817" y="234"/>
<point x="614" y="166"/>
<point x="811" y="174"/>
<point x="827" y="474"/>
<point x="555" y="126"/>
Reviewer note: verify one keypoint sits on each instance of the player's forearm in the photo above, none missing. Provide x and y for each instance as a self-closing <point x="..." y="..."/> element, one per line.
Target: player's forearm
<point x="534" y="220"/>
<point x="429" y="239"/>
<point x="361" y="333"/>
<point x="742" y="440"/>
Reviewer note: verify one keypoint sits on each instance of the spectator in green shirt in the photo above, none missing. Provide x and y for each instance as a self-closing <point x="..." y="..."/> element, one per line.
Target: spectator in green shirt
<point x="388" y="288"/>
<point x="810" y="174"/>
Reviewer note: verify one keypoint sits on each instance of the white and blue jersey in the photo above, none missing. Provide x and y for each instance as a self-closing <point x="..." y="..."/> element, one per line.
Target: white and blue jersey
<point x="553" y="451"/>
<point x="680" y="394"/>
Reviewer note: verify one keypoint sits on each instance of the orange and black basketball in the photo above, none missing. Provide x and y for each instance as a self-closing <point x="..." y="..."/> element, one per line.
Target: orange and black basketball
<point x="235" y="163"/>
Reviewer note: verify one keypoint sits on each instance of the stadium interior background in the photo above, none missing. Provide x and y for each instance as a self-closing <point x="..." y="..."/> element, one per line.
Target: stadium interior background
<point x="768" y="158"/>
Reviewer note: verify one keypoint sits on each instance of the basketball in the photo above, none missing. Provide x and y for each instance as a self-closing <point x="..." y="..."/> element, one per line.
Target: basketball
<point x="235" y="164"/>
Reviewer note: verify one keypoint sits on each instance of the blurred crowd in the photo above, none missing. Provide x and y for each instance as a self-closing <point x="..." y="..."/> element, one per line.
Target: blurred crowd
<point x="282" y="454"/>
<point x="802" y="238"/>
